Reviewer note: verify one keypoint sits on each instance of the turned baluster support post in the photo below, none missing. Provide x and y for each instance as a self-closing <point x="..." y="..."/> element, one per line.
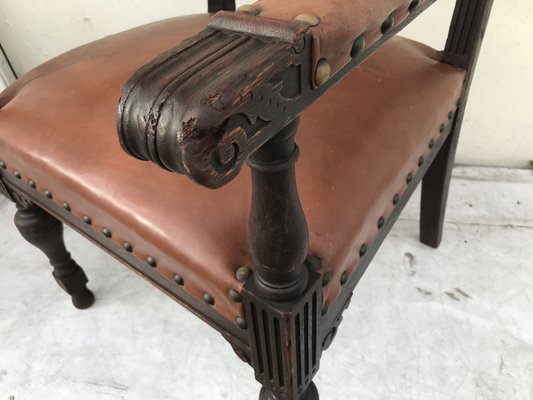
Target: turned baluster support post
<point x="277" y="230"/>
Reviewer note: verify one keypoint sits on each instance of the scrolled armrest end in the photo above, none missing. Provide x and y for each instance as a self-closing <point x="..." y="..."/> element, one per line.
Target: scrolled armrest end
<point x="202" y="108"/>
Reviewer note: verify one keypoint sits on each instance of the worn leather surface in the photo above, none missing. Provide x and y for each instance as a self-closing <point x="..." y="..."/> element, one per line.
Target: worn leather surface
<point x="358" y="143"/>
<point x="341" y="23"/>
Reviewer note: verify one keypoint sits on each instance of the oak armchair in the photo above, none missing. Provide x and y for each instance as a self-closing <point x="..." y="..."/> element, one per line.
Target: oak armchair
<point x="271" y="257"/>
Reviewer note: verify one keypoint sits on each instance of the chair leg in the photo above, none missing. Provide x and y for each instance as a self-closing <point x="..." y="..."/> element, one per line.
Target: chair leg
<point x="435" y="186"/>
<point x="310" y="394"/>
<point x="46" y="233"/>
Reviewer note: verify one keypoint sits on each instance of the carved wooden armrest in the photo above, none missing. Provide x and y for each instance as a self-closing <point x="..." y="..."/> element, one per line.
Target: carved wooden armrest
<point x="204" y="107"/>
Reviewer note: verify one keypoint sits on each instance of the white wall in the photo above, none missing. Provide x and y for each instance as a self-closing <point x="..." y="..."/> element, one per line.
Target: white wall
<point x="499" y="123"/>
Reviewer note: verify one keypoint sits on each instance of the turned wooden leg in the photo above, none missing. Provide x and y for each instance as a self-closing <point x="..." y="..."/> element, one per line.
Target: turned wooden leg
<point x="310" y="394"/>
<point x="46" y="233"/>
<point x="435" y="187"/>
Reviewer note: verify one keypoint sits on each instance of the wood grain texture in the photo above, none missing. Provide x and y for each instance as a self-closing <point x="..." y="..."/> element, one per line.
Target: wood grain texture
<point x="202" y="108"/>
<point x="277" y="230"/>
<point x="46" y="233"/>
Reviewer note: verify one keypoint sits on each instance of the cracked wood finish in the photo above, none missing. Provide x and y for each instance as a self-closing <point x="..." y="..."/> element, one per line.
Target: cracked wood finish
<point x="336" y="25"/>
<point x="110" y="186"/>
<point x="283" y="299"/>
<point x="204" y="107"/>
<point x="198" y="109"/>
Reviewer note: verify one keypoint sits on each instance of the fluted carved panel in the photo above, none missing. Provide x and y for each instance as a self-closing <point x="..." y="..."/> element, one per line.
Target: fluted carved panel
<point x="285" y="340"/>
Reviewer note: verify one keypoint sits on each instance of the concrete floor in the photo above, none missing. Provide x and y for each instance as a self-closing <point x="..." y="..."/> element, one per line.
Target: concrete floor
<point x="453" y="323"/>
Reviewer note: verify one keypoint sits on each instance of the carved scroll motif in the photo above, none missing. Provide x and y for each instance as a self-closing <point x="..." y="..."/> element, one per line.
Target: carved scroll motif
<point x="201" y="109"/>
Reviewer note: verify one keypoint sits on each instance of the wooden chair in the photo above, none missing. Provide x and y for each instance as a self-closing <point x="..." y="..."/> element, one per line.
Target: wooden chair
<point x="271" y="258"/>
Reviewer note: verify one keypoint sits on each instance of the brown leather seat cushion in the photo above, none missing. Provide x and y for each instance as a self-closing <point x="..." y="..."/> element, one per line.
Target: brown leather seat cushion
<point x="358" y="144"/>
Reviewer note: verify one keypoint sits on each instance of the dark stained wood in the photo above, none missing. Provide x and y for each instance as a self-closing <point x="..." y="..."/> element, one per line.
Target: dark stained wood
<point x="282" y="301"/>
<point x="464" y="42"/>
<point x="435" y="187"/>
<point x="285" y="339"/>
<point x="224" y="107"/>
<point x="46" y="233"/>
<point x="219" y="5"/>
<point x="330" y="320"/>
<point x="466" y="34"/>
<point x="277" y="230"/>
<point x="233" y="334"/>
<point x="226" y="94"/>
<point x="310" y="394"/>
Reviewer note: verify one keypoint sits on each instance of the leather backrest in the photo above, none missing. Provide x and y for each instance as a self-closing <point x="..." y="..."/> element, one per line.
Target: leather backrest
<point x="340" y="22"/>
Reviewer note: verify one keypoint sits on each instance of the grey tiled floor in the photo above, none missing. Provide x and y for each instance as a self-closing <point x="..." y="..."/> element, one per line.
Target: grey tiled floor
<point x="452" y="323"/>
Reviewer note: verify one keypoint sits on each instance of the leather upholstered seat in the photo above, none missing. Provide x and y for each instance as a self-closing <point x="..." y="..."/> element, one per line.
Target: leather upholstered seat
<point x="359" y="144"/>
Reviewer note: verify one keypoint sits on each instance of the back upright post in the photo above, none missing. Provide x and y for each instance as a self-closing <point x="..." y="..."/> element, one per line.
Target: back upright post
<point x="464" y="42"/>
